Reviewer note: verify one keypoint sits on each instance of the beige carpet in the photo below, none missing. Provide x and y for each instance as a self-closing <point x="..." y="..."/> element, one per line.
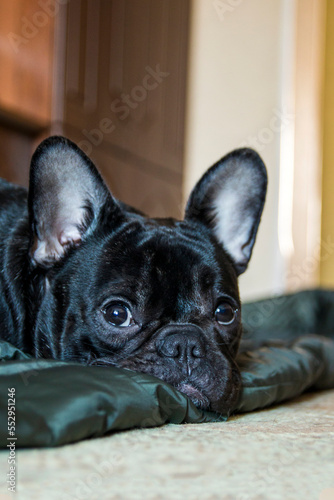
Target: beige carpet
<point x="285" y="452"/>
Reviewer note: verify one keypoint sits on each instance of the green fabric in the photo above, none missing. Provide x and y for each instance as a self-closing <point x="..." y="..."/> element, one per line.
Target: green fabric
<point x="60" y="402"/>
<point x="274" y="374"/>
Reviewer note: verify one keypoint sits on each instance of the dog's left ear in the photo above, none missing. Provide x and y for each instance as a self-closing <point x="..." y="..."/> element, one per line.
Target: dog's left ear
<point x="229" y="200"/>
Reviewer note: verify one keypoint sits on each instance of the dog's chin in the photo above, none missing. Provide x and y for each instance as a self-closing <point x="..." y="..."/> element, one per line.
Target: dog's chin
<point x="220" y="400"/>
<point x="195" y="395"/>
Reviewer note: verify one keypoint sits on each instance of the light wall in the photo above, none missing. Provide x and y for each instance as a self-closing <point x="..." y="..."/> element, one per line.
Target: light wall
<point x="327" y="248"/>
<point x="234" y="94"/>
<point x="255" y="75"/>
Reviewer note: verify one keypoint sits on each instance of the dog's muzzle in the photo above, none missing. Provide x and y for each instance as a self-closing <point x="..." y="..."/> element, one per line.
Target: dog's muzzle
<point x="183" y="344"/>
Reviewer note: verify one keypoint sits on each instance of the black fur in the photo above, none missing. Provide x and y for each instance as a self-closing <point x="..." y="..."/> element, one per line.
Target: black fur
<point x="70" y="253"/>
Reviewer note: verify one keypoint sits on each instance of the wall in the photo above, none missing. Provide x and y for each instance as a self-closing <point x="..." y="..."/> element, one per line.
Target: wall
<point x="305" y="224"/>
<point x="255" y="79"/>
<point x="327" y="254"/>
<point x="240" y="48"/>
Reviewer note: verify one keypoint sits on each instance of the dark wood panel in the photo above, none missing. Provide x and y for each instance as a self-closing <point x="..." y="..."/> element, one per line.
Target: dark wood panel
<point x="134" y="180"/>
<point x="26" y="59"/>
<point x="157" y="197"/>
<point x="15" y="152"/>
<point x="125" y="83"/>
<point x="26" y="63"/>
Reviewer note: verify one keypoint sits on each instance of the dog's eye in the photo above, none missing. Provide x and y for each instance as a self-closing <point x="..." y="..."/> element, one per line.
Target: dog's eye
<point x="225" y="313"/>
<point x="118" y="315"/>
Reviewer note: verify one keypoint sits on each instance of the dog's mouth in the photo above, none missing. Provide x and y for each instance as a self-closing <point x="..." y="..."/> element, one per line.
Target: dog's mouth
<point x="194" y="394"/>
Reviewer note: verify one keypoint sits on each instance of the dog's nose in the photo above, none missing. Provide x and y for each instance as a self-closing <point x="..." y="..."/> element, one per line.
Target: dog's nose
<point x="186" y="347"/>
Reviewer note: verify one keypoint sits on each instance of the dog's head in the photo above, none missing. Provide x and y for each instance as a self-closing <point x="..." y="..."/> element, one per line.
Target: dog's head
<point x="159" y="296"/>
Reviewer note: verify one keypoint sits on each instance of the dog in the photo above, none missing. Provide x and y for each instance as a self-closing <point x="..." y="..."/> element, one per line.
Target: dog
<point x="88" y="278"/>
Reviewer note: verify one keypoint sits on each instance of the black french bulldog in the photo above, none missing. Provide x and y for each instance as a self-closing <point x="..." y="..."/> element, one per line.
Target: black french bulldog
<point x="85" y="277"/>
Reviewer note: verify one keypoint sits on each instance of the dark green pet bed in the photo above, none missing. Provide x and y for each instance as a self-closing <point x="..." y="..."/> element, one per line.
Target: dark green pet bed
<point x="288" y="348"/>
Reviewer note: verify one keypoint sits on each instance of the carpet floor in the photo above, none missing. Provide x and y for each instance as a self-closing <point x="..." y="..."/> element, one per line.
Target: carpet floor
<point x="285" y="452"/>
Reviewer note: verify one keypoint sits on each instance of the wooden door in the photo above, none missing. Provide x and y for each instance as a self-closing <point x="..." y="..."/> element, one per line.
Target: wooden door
<point x="112" y="79"/>
<point x="124" y="95"/>
<point x="26" y="63"/>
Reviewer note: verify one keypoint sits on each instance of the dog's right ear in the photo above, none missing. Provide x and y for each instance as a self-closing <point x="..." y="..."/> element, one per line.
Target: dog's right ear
<point x="67" y="199"/>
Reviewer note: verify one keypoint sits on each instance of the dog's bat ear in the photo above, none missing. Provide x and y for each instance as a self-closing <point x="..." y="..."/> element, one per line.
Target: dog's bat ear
<point x="229" y="199"/>
<point x="67" y="199"/>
